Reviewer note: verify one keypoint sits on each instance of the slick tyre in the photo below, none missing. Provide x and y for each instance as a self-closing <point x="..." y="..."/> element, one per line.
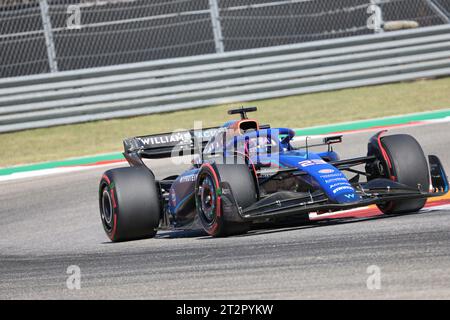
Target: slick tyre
<point x="130" y="207"/>
<point x="208" y="200"/>
<point x="409" y="167"/>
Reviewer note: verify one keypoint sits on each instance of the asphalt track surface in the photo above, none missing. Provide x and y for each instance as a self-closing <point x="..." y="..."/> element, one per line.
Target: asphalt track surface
<point x="49" y="223"/>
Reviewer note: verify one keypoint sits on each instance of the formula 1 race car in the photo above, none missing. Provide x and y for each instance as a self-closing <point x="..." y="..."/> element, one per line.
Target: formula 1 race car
<point x="244" y="173"/>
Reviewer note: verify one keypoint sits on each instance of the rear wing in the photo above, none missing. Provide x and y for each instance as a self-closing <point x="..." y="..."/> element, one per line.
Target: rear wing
<point x="178" y="143"/>
<point x="165" y="145"/>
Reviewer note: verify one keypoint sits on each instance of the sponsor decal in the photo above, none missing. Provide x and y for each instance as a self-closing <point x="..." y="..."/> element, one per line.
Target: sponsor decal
<point x="166" y="139"/>
<point x="350" y="196"/>
<point x="336" y="180"/>
<point x="339" y="184"/>
<point x="334" y="175"/>
<point x="325" y="171"/>
<point x="342" y="188"/>
<point x="209" y="133"/>
<point x="312" y="162"/>
<point x="183" y="137"/>
<point x="188" y="178"/>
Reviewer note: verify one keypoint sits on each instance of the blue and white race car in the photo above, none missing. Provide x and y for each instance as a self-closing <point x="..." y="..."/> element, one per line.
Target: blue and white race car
<point x="244" y="173"/>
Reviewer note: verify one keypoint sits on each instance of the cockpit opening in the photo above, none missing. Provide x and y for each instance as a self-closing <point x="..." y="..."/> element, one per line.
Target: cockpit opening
<point x="248" y="125"/>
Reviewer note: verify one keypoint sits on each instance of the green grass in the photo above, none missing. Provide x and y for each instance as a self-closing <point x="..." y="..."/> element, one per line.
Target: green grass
<point x="296" y="111"/>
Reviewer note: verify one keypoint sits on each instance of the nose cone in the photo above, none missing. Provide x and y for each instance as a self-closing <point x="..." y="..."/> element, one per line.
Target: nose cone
<point x="330" y="179"/>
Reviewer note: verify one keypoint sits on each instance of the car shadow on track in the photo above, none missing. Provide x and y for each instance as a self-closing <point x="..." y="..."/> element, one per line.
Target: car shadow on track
<point x="265" y="229"/>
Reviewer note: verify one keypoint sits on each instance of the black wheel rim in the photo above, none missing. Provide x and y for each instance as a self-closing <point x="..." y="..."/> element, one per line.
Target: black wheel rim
<point x="107" y="209"/>
<point x="207" y="198"/>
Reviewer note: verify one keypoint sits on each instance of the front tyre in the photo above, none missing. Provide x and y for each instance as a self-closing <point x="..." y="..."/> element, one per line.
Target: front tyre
<point x="407" y="165"/>
<point x="129" y="203"/>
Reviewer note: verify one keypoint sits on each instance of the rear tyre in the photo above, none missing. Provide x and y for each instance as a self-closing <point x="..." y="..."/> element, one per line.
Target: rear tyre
<point x="208" y="200"/>
<point x="129" y="202"/>
<point x="409" y="167"/>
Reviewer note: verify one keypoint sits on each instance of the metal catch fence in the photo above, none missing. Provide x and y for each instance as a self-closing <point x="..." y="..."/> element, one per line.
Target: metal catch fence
<point x="43" y="36"/>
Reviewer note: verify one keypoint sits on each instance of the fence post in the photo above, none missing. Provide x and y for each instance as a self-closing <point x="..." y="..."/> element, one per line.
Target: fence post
<point x="48" y="33"/>
<point x="438" y="11"/>
<point x="375" y="21"/>
<point x="216" y="26"/>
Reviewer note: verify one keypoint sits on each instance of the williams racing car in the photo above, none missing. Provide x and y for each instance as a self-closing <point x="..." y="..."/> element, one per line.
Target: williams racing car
<point x="245" y="173"/>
